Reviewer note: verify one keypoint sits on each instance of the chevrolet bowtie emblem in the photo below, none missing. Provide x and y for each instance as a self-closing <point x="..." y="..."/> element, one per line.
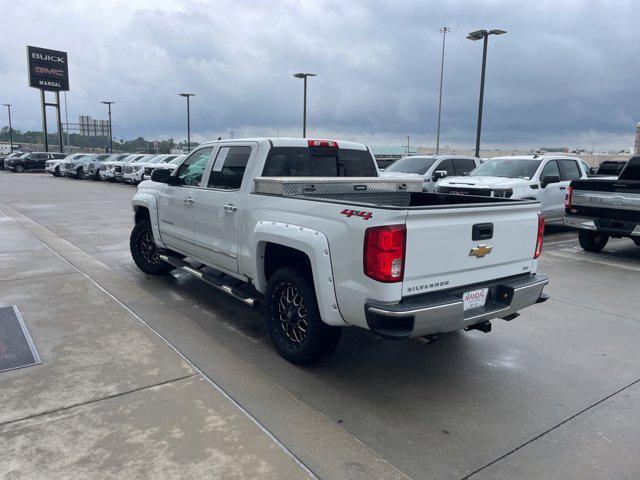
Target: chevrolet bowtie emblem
<point x="480" y="251"/>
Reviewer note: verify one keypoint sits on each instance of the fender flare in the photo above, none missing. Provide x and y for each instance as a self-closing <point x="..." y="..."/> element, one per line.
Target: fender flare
<point x="312" y="243"/>
<point x="148" y="201"/>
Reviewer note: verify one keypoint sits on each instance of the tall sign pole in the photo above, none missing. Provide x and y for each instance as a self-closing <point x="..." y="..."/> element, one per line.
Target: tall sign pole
<point x="48" y="72"/>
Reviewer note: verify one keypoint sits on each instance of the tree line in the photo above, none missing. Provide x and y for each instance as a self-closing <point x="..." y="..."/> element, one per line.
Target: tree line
<point x="139" y="144"/>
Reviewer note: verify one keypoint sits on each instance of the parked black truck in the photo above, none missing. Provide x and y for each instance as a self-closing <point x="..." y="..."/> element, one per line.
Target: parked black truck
<point x="604" y="208"/>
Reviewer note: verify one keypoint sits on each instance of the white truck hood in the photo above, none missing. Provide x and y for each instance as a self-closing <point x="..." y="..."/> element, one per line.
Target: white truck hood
<point x="483" y="182"/>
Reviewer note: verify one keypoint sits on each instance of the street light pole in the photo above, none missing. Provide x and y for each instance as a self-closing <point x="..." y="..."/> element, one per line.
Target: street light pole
<point x="108" y="104"/>
<point x="443" y="31"/>
<point x="187" y="95"/>
<point x="8" y="105"/>
<point x="484" y="36"/>
<point x="304" y="104"/>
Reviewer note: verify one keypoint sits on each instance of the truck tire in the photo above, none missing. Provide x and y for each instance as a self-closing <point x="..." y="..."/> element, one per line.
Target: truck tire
<point x="144" y="250"/>
<point x="293" y="319"/>
<point x="19" y="168"/>
<point x="592" y="241"/>
<point x="56" y="172"/>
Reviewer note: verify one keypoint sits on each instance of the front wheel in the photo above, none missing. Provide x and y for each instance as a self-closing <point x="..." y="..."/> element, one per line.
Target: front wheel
<point x="19" y="168"/>
<point x="145" y="252"/>
<point x="293" y="319"/>
<point x="592" y="241"/>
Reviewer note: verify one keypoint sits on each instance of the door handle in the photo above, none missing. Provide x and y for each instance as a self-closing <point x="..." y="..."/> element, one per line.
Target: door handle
<point x="188" y="201"/>
<point x="563" y="188"/>
<point x="230" y="208"/>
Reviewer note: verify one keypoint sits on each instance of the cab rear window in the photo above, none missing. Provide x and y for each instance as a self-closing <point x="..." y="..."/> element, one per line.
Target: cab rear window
<point x="631" y="170"/>
<point x="318" y="162"/>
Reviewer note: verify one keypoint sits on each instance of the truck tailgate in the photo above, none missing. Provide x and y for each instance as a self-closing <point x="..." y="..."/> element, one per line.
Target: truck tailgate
<point x="441" y="252"/>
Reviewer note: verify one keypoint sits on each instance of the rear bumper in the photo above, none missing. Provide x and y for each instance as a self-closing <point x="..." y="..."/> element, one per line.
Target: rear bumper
<point x="610" y="227"/>
<point x="443" y="312"/>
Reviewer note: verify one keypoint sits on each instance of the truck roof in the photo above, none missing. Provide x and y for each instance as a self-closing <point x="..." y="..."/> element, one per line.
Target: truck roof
<point x="291" y="142"/>
<point x="536" y="157"/>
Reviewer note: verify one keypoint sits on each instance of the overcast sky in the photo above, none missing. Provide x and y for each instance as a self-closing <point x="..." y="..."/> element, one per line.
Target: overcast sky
<point x="567" y="72"/>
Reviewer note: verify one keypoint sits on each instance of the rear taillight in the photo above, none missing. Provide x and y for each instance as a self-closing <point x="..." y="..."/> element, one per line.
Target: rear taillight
<point x="540" y="239"/>
<point x="384" y="252"/>
<point x="568" y="198"/>
<point x="323" y="143"/>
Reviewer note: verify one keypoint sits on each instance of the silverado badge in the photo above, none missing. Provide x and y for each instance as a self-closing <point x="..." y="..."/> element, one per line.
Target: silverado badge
<point x="480" y="251"/>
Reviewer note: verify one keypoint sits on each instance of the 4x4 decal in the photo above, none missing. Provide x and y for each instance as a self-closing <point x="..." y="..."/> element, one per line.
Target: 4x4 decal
<point x="357" y="213"/>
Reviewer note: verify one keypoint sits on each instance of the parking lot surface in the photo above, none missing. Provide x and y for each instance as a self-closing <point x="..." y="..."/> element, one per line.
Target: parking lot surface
<point x="554" y="393"/>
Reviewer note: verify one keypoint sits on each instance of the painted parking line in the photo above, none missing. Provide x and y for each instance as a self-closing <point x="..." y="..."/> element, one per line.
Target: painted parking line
<point x="580" y="257"/>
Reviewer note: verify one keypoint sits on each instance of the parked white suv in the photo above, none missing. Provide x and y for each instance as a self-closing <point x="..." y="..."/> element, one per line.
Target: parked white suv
<point x="432" y="168"/>
<point x="544" y="178"/>
<point x="56" y="166"/>
<point x="135" y="172"/>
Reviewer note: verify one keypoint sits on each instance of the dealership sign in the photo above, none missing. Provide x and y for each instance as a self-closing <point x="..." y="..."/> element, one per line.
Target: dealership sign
<point x="48" y="69"/>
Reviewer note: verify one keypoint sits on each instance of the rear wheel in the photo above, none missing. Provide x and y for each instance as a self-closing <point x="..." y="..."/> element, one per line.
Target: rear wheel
<point x="145" y="252"/>
<point x="19" y="168"/>
<point x="293" y="319"/>
<point x="592" y="241"/>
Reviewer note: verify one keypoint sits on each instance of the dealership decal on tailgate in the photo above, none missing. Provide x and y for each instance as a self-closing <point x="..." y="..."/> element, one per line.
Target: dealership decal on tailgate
<point x="474" y="298"/>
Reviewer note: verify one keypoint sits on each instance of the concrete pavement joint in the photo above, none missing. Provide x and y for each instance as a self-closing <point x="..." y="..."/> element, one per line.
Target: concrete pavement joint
<point x="96" y="400"/>
<point x="39" y="276"/>
<point x="14" y="214"/>
<point x="555" y="299"/>
<point x="549" y="430"/>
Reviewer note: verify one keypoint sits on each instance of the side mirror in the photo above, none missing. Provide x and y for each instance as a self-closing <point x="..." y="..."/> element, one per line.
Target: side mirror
<point x="549" y="179"/>
<point x="162" y="175"/>
<point x="438" y="174"/>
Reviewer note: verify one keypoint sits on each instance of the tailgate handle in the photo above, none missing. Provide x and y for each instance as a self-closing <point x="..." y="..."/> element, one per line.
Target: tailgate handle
<point x="482" y="231"/>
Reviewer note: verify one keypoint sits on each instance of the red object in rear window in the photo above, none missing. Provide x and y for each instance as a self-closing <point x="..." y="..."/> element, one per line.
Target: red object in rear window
<point x="384" y="253"/>
<point x="540" y="238"/>
<point x="323" y="143"/>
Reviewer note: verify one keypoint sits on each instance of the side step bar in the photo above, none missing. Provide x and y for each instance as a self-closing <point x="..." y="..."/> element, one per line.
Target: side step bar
<point x="210" y="279"/>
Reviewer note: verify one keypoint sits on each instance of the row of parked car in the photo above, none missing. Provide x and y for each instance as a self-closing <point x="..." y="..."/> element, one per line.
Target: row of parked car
<point x="125" y="167"/>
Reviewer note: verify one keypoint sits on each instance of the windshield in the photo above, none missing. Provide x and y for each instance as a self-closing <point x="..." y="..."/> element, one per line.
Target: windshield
<point x="418" y="165"/>
<point x="178" y="160"/>
<point x="508" y="168"/>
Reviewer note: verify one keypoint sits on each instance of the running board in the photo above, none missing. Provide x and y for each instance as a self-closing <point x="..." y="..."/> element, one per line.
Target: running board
<point x="210" y="279"/>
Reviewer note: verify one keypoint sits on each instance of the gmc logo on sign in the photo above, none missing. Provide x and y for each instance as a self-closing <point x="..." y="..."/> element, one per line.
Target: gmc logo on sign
<point x="49" y="71"/>
<point x="357" y="213"/>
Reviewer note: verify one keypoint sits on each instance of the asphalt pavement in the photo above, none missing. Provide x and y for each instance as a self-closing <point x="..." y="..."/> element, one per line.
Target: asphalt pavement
<point x="551" y="394"/>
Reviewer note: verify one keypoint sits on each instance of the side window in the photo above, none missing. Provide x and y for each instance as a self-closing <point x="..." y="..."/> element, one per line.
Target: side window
<point x="569" y="170"/>
<point x="550" y="170"/>
<point x="447" y="166"/>
<point x="229" y="167"/>
<point x="463" y="166"/>
<point x="190" y="172"/>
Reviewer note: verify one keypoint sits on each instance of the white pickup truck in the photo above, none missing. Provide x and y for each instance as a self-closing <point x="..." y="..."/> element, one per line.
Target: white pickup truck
<point x="543" y="178"/>
<point x="309" y="230"/>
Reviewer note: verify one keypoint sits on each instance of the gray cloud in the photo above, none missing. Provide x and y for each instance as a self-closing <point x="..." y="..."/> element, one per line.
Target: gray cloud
<point x="565" y="73"/>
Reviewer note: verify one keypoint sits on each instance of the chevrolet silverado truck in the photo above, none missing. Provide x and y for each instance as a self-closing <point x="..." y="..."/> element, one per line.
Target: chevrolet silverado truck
<point x="604" y="208"/>
<point x="310" y="231"/>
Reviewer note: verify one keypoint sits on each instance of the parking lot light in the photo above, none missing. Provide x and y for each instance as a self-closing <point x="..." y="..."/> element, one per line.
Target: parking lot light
<point x="108" y="104"/>
<point x="8" y="105"/>
<point x="304" y="103"/>
<point x="443" y="31"/>
<point x="187" y="95"/>
<point x="484" y="36"/>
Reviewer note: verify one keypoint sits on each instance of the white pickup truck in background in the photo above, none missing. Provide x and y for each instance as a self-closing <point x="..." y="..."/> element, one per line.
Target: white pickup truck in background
<point x="309" y="230"/>
<point x="432" y="168"/>
<point x="544" y="178"/>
